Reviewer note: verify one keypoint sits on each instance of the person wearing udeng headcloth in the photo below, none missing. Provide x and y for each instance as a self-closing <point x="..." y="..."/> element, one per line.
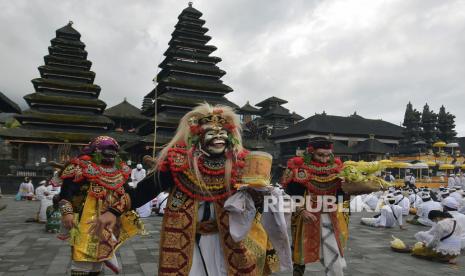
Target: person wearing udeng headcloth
<point x="390" y="216"/>
<point x="45" y="194"/>
<point x="424" y="209"/>
<point x="451" y="205"/>
<point x="451" y="181"/>
<point x="200" y="167"/>
<point x="456" y="193"/>
<point x="415" y="200"/>
<point x="402" y="201"/>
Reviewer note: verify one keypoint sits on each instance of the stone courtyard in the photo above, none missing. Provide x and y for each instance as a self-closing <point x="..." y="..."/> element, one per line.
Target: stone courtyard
<point x="26" y="249"/>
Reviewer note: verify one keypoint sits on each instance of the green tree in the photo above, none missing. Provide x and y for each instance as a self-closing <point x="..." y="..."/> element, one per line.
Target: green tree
<point x="429" y="121"/>
<point x="446" y="126"/>
<point x="412" y="124"/>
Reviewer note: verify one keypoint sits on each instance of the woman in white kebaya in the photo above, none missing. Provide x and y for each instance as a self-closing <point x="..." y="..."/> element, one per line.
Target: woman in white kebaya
<point x="443" y="241"/>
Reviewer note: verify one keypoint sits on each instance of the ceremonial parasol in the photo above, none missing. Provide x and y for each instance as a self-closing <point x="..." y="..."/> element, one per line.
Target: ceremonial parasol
<point x="439" y="144"/>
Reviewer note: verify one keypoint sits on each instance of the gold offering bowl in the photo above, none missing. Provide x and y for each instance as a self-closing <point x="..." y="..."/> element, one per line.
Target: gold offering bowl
<point x="257" y="170"/>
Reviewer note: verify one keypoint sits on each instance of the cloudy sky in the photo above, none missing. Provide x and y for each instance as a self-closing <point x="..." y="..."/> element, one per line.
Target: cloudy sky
<point x="339" y="56"/>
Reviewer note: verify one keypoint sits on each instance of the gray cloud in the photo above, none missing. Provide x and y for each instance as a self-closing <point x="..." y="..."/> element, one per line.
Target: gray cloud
<point x="339" y="56"/>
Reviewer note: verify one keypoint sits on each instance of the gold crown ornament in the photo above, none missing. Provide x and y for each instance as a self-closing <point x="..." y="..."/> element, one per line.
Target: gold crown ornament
<point x="214" y="118"/>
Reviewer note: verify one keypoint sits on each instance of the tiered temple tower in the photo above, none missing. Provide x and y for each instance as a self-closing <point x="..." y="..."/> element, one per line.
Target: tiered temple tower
<point x="146" y="104"/>
<point x="65" y="97"/>
<point x="188" y="76"/>
<point x="64" y="112"/>
<point x="274" y="116"/>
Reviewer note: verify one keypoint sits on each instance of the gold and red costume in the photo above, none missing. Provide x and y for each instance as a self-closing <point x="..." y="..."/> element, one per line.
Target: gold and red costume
<point x="312" y="179"/>
<point x="88" y="190"/>
<point x="251" y="256"/>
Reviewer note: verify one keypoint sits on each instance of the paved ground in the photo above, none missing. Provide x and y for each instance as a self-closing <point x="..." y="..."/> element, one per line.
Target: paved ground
<point x="25" y="249"/>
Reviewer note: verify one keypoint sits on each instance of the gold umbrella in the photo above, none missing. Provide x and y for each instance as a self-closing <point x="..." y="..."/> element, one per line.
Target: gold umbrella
<point x="444" y="167"/>
<point x="439" y="144"/>
<point x="399" y="165"/>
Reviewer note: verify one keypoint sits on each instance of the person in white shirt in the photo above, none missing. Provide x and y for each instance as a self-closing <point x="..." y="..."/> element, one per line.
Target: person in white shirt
<point x="451" y="205"/>
<point x="415" y="198"/>
<point x="442" y="195"/>
<point x="415" y="201"/>
<point x="372" y="200"/>
<point x="410" y="180"/>
<point x="43" y="193"/>
<point x="26" y="189"/>
<point x="443" y="241"/>
<point x="137" y="175"/>
<point x="462" y="181"/>
<point x="424" y="209"/>
<point x="391" y="215"/>
<point x="451" y="181"/>
<point x="42" y="190"/>
<point x="403" y="202"/>
<point x="161" y="200"/>
<point x="432" y="194"/>
<point x="456" y="193"/>
<point x="462" y="205"/>
<point x="389" y="177"/>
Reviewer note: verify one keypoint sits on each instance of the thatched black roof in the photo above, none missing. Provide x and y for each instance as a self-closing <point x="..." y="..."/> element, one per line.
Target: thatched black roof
<point x="190" y="11"/>
<point x="124" y="110"/>
<point x="324" y="124"/>
<point x="372" y="146"/>
<point x="7" y="105"/>
<point x="297" y="117"/>
<point x="340" y="148"/>
<point x="248" y="109"/>
<point x="64" y="136"/>
<point x="68" y="31"/>
<point x="276" y="110"/>
<point x="271" y="101"/>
